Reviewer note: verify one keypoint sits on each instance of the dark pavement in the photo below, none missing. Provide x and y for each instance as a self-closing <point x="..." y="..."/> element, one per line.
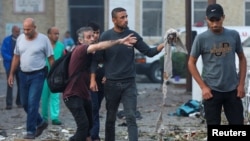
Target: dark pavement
<point x="153" y="115"/>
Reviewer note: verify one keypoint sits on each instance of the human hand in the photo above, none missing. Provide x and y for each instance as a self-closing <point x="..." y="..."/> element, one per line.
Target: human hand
<point x="93" y="86"/>
<point x="206" y="93"/>
<point x="241" y="91"/>
<point x="129" y="40"/>
<point x="104" y="80"/>
<point x="10" y="80"/>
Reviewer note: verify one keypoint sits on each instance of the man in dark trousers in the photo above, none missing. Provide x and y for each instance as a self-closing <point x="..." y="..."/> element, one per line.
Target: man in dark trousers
<point x="120" y="74"/>
<point x="76" y="96"/>
<point x="221" y="84"/>
<point x="31" y="51"/>
<point x="7" y="51"/>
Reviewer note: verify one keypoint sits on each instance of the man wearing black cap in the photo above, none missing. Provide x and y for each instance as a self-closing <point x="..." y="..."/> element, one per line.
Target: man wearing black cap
<point x="222" y="86"/>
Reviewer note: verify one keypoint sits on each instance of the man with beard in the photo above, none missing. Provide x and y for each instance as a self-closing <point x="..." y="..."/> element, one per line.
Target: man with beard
<point x="221" y="85"/>
<point x="76" y="95"/>
<point x="120" y="74"/>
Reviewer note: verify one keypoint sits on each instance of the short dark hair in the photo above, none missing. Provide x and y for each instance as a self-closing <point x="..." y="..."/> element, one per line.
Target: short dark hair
<point x="67" y="32"/>
<point x="116" y="10"/>
<point x="94" y="25"/>
<point x="49" y="30"/>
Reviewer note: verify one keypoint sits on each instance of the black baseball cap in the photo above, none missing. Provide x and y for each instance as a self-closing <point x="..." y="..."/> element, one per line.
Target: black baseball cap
<point x="214" y="11"/>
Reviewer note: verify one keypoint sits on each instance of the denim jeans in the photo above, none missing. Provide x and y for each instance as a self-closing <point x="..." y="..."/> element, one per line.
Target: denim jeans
<point x="96" y="98"/>
<point x="31" y="85"/>
<point x="232" y="105"/>
<point x="9" y="94"/>
<point x="123" y="91"/>
<point x="82" y="112"/>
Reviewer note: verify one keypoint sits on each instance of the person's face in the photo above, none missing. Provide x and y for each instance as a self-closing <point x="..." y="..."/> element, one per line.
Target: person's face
<point x="121" y="20"/>
<point x="16" y="32"/>
<point x="29" y="30"/>
<point x="54" y="35"/>
<point x="67" y="35"/>
<point x="88" y="37"/>
<point x="96" y="35"/>
<point x="215" y="24"/>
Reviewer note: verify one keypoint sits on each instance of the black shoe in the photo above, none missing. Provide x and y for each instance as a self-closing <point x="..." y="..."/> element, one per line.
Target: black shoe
<point x="72" y="138"/>
<point x="29" y="136"/>
<point x="56" y="122"/>
<point x="39" y="130"/>
<point x="8" y="107"/>
<point x="3" y="133"/>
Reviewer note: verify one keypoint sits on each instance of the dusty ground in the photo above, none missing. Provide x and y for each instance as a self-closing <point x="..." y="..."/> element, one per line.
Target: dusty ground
<point x="172" y="128"/>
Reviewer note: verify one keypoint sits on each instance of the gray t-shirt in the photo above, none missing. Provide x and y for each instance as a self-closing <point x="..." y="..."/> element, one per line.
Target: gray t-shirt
<point x="33" y="53"/>
<point x="218" y="57"/>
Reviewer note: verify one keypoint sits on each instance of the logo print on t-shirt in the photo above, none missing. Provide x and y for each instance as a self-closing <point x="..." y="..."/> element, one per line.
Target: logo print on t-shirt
<point x="220" y="49"/>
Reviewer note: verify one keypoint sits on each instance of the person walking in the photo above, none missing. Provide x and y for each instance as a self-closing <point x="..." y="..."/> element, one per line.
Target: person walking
<point x="32" y="49"/>
<point x="99" y="79"/>
<point x="51" y="101"/>
<point x="222" y="86"/>
<point x="119" y="66"/>
<point x="76" y="95"/>
<point x="7" y="51"/>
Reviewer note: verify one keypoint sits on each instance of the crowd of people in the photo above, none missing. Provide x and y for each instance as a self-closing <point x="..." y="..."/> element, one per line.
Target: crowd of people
<point x="107" y="70"/>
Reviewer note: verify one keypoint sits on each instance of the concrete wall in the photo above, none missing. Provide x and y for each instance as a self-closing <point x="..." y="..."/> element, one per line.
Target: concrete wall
<point x="234" y="12"/>
<point x="55" y="14"/>
<point x="174" y="13"/>
<point x="61" y="16"/>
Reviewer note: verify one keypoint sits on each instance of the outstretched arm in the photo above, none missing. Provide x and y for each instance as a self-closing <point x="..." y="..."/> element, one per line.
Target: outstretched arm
<point x="160" y="47"/>
<point x="128" y="40"/>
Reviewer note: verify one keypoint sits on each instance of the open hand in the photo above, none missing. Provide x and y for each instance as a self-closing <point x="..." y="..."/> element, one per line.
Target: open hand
<point x="129" y="40"/>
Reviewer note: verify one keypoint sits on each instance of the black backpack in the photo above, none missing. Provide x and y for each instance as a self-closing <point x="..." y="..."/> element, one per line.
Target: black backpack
<point x="58" y="76"/>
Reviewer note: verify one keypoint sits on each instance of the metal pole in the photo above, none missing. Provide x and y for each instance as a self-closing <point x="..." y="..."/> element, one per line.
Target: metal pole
<point x="188" y="42"/>
<point x="189" y="38"/>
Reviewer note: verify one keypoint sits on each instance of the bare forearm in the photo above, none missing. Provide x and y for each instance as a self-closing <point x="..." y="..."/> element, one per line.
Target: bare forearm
<point x="92" y="77"/>
<point x="102" y="45"/>
<point x="195" y="73"/>
<point x="128" y="41"/>
<point x="51" y="60"/>
<point x="243" y="71"/>
<point x="14" y="64"/>
<point x="107" y="44"/>
<point x="160" y="47"/>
